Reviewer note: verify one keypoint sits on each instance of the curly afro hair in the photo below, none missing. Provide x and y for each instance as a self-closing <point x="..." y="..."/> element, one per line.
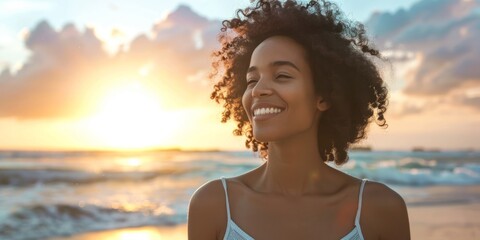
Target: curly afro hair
<point x="339" y="55"/>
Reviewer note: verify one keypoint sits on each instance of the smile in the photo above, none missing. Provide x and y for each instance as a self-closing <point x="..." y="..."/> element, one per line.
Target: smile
<point x="262" y="114"/>
<point x="264" y="111"/>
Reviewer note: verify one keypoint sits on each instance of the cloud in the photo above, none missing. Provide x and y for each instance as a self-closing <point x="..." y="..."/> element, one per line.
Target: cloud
<point x="444" y="35"/>
<point x="179" y="51"/>
<point x="471" y="101"/>
<point x="46" y="83"/>
<point x="68" y="68"/>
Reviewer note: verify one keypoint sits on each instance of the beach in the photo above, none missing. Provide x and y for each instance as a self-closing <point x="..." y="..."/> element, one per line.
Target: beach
<point x="178" y="232"/>
<point x="449" y="221"/>
<point x="449" y="212"/>
<point x="435" y="212"/>
<point x="117" y="196"/>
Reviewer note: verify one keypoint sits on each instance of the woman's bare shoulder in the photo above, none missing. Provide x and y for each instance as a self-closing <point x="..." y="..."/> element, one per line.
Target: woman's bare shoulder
<point x="207" y="211"/>
<point x="385" y="212"/>
<point x="209" y="193"/>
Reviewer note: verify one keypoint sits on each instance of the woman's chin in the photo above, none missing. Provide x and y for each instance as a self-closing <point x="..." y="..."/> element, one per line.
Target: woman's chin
<point x="262" y="137"/>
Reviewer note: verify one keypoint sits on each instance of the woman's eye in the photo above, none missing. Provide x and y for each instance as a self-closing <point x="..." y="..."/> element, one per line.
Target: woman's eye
<point x="251" y="81"/>
<point x="283" y="76"/>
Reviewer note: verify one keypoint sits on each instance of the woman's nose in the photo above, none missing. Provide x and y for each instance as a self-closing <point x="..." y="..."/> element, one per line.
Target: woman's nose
<point x="261" y="88"/>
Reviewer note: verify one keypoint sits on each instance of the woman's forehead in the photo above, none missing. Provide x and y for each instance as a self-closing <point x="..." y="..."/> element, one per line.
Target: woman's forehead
<point x="278" y="49"/>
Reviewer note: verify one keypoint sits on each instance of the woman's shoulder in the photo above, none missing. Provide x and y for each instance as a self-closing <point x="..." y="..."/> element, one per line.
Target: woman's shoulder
<point x="209" y="191"/>
<point x="385" y="212"/>
<point x="207" y="211"/>
<point x="382" y="198"/>
<point x="379" y="193"/>
<point x="209" y="197"/>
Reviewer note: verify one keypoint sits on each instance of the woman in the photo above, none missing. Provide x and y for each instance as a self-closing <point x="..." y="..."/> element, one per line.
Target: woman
<point x="300" y="83"/>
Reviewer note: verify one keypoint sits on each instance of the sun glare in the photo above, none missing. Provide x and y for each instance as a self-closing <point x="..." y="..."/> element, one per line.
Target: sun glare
<point x="140" y="235"/>
<point x="131" y="117"/>
<point x="131" y="162"/>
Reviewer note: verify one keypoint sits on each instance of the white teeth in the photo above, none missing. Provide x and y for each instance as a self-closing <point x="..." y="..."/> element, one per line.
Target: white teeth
<point x="261" y="111"/>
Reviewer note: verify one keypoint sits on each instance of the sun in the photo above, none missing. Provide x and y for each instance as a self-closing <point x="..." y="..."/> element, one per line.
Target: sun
<point x="130" y="117"/>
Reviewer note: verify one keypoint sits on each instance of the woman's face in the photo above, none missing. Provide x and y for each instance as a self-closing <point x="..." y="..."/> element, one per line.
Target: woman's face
<point x="280" y="99"/>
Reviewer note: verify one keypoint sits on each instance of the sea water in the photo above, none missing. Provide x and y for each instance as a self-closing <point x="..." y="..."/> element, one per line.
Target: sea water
<point x="50" y="194"/>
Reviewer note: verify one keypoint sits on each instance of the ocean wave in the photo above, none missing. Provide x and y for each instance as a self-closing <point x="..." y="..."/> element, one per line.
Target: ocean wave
<point x="45" y="221"/>
<point x="27" y="177"/>
<point x="417" y="172"/>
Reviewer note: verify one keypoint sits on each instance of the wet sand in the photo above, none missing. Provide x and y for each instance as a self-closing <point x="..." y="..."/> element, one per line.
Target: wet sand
<point x="178" y="232"/>
<point x="447" y="212"/>
<point x="439" y="212"/>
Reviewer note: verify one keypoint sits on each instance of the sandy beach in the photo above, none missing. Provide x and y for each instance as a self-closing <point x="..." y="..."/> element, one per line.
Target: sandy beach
<point x="445" y="222"/>
<point x="446" y="213"/>
<point x="178" y="232"/>
<point x="438" y="212"/>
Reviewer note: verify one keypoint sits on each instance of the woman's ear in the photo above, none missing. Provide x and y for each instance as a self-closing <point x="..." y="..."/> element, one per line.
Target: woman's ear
<point x="322" y="105"/>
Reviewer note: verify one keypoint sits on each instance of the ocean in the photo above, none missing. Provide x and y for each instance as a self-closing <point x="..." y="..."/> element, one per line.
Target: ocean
<point x="44" y="195"/>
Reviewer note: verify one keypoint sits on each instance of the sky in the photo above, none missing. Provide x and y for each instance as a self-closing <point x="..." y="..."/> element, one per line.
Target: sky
<point x="123" y="75"/>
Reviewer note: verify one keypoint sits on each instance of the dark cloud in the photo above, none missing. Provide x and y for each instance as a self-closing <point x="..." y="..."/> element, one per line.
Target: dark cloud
<point x="68" y="68"/>
<point x="443" y="34"/>
<point x="472" y="101"/>
<point x="427" y="20"/>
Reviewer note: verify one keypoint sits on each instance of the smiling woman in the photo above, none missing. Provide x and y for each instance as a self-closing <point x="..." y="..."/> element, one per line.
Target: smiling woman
<point x="300" y="82"/>
<point x="131" y="118"/>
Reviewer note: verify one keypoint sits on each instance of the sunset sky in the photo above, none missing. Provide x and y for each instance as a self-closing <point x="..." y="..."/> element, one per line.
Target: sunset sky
<point x="133" y="75"/>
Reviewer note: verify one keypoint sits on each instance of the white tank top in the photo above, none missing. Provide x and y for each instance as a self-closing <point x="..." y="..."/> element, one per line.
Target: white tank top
<point x="234" y="232"/>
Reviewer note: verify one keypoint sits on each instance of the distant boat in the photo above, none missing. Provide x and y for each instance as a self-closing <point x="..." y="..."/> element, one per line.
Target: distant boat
<point x="361" y="148"/>
<point x="422" y="149"/>
<point x="418" y="149"/>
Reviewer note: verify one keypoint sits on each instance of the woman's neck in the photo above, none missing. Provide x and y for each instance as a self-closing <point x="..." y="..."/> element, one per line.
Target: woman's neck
<point x="294" y="169"/>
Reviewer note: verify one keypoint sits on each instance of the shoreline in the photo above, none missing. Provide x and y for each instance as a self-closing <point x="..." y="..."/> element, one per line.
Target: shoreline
<point x="435" y="212"/>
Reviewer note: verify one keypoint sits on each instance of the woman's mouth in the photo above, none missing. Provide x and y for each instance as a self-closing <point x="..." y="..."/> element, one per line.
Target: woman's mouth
<point x="265" y="113"/>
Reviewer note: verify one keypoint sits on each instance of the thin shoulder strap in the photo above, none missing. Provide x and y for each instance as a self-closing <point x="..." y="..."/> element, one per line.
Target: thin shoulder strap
<point x="359" y="208"/>
<point x="226" y="196"/>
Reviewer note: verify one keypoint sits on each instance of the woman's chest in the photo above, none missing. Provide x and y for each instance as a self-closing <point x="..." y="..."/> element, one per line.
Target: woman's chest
<point x="306" y="218"/>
